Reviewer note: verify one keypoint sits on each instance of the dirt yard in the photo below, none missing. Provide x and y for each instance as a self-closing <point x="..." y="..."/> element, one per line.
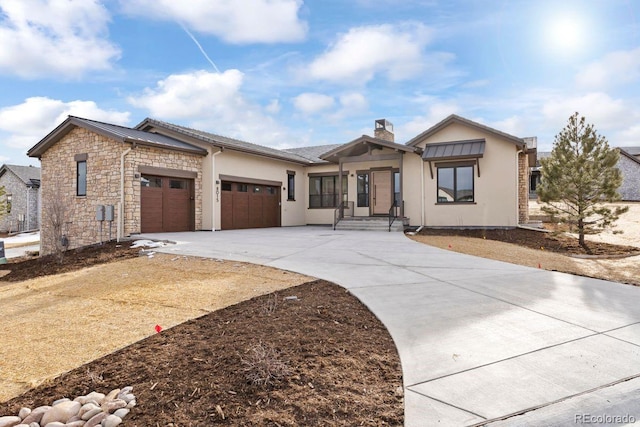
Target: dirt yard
<point x="336" y="363"/>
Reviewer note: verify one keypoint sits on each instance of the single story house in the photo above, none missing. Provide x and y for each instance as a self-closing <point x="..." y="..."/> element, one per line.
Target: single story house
<point x="162" y="177"/>
<point x="22" y="197"/>
<point x="629" y="165"/>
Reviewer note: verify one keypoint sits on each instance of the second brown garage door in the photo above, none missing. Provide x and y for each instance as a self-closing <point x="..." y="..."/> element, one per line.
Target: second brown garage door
<point x="249" y="205"/>
<point x="167" y="204"/>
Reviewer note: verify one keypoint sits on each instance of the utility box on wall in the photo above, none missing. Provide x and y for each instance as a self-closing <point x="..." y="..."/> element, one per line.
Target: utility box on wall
<point x="109" y="213"/>
<point x="100" y="213"/>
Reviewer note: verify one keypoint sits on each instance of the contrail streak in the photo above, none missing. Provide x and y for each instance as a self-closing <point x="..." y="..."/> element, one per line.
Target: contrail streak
<point x="201" y="49"/>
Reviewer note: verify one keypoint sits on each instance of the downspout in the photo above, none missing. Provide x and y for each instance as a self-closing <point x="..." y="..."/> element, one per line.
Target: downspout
<point x="28" y="211"/>
<point x="120" y="225"/>
<point x="214" y="197"/>
<point x="422" y="222"/>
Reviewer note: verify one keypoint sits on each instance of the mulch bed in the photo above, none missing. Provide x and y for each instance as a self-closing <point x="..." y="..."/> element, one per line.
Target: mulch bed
<point x="339" y="367"/>
<point x="29" y="267"/>
<point x="537" y="240"/>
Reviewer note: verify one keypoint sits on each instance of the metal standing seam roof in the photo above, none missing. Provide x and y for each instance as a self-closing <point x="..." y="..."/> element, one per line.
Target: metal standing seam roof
<point x="26" y="174"/>
<point x="454" y="150"/>
<point x="226" y="142"/>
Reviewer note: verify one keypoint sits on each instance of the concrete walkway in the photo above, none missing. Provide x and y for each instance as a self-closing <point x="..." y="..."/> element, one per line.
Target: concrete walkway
<point x="480" y="341"/>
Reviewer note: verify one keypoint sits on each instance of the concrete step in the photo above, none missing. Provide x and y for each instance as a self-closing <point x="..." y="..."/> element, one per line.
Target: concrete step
<point x="371" y="224"/>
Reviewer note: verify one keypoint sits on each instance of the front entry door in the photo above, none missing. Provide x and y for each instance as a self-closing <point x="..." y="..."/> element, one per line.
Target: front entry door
<point x="381" y="194"/>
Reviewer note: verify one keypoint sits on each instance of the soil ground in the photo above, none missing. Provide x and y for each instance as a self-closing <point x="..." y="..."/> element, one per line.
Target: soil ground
<point x="342" y="367"/>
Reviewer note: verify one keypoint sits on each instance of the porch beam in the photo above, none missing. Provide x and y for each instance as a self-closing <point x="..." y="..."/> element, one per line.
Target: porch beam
<point x="370" y="157"/>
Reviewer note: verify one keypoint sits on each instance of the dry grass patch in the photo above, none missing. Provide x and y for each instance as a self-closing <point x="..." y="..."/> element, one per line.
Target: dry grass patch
<point x="55" y="323"/>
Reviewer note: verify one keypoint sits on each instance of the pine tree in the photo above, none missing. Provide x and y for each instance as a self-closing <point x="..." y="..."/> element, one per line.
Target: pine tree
<point x="579" y="178"/>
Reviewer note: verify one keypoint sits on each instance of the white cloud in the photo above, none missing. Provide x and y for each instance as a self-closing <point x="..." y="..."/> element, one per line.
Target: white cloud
<point x="363" y="52"/>
<point x="437" y="111"/>
<point x="311" y="103"/>
<point x="273" y="107"/>
<point x="248" y="21"/>
<point x="597" y="107"/>
<point x="211" y="102"/>
<point x="29" y="122"/>
<point x="615" y="69"/>
<point x="49" y="37"/>
<point x="353" y="102"/>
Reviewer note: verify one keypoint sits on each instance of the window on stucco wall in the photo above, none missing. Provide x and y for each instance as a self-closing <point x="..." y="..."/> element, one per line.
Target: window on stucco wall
<point x="455" y="184"/>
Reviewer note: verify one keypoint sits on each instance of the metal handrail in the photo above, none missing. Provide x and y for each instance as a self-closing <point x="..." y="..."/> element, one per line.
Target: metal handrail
<point x="338" y="214"/>
<point x="393" y="215"/>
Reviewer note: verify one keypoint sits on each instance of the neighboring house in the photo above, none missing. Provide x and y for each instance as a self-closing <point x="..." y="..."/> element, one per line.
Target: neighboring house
<point x="22" y="187"/>
<point x="164" y="177"/>
<point x="629" y="165"/>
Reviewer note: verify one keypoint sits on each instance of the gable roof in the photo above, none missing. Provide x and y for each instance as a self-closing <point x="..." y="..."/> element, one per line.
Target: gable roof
<point x="634" y="151"/>
<point x="119" y="133"/>
<point x="313" y="153"/>
<point x="224" y="142"/>
<point x="454" y="118"/>
<point x="361" y="145"/>
<point x="625" y="152"/>
<point x="30" y="175"/>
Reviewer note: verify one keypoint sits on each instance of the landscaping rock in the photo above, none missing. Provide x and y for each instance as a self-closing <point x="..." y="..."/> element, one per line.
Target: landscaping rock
<point x="61" y="412"/>
<point x="93" y="410"/>
<point x="10" y="421"/>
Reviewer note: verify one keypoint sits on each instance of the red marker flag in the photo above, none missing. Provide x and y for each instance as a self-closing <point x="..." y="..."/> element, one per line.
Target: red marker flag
<point x="158" y="328"/>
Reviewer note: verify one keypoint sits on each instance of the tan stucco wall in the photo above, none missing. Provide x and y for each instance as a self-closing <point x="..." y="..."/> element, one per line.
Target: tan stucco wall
<point x="58" y="169"/>
<point x="237" y="164"/>
<point x="495" y="191"/>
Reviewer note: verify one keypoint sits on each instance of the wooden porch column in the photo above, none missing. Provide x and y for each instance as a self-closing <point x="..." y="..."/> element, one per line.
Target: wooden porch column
<point x="401" y="193"/>
<point x="340" y="188"/>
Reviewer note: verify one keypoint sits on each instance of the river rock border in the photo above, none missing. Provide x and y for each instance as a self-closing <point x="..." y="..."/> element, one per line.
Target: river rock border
<point x="92" y="410"/>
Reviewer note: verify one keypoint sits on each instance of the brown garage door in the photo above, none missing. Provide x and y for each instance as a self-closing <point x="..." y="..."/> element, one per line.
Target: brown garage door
<point x="249" y="205"/>
<point x="167" y="204"/>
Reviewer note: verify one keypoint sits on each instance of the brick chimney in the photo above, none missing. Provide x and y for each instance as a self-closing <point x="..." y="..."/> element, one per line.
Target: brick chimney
<point x="384" y="130"/>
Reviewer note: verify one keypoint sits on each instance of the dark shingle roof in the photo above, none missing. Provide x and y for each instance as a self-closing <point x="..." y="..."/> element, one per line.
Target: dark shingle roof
<point x="226" y="142"/>
<point x="119" y="133"/>
<point x="26" y="174"/>
<point x="634" y="151"/>
<point x="313" y="153"/>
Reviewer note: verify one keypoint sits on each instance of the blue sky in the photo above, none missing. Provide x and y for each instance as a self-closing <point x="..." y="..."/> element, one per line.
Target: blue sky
<point x="288" y="73"/>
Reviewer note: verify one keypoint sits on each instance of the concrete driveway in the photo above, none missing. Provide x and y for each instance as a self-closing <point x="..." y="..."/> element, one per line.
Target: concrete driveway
<point x="480" y="341"/>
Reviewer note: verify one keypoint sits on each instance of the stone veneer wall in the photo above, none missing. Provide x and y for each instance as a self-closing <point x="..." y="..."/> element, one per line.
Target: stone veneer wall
<point x="58" y="175"/>
<point x="22" y="197"/>
<point x="523" y="188"/>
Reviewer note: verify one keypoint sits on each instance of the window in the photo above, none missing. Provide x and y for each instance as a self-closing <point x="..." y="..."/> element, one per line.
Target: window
<point x="178" y="184"/>
<point x="291" y="185"/>
<point x="271" y="190"/>
<point x="257" y="189"/>
<point x="242" y="188"/>
<point x="363" y="190"/>
<point x="151" y="181"/>
<point x="455" y="184"/>
<point x="323" y="191"/>
<point x="9" y="201"/>
<point x="81" y="178"/>
<point x="226" y="186"/>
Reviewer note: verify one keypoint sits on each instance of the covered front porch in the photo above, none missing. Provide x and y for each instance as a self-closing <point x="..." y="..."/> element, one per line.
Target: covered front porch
<point x="376" y="167"/>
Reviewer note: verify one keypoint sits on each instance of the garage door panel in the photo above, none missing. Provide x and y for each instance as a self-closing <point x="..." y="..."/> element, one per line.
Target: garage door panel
<point x="167" y="204"/>
<point x="249" y="206"/>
